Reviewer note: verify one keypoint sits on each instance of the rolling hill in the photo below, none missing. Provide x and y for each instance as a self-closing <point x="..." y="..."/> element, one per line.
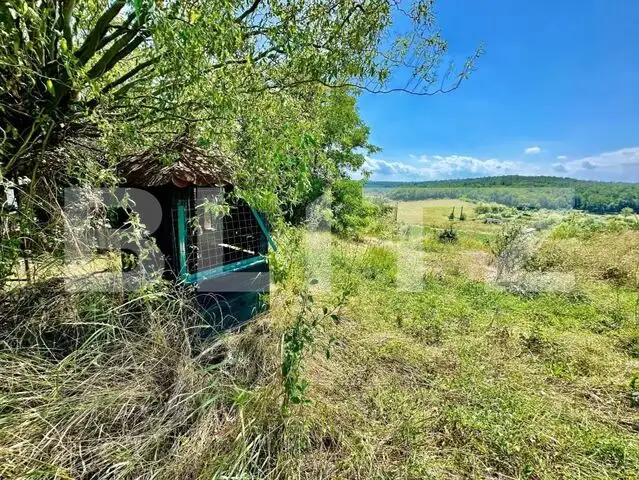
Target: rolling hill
<point x="524" y="192"/>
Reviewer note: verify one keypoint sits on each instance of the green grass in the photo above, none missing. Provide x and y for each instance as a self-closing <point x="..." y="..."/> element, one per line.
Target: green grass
<point x="466" y="380"/>
<point x="435" y="213"/>
<point x="462" y="377"/>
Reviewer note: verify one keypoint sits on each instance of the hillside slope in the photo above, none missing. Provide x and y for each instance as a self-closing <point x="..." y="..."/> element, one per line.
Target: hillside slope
<point x="521" y="192"/>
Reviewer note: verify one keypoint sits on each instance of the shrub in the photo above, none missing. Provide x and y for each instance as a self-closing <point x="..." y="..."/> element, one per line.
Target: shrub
<point x="627" y="211"/>
<point x="352" y="211"/>
<point x="484" y="208"/>
<point x="503" y="241"/>
<point x="448" y="235"/>
<point x="513" y="248"/>
<point x="587" y="226"/>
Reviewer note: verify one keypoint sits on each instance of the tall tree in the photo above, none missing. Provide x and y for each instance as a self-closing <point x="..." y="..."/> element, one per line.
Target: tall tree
<point x="143" y="70"/>
<point x="83" y="82"/>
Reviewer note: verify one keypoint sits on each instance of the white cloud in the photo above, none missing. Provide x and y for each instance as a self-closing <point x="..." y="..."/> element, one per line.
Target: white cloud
<point x="439" y="167"/>
<point x="532" y="150"/>
<point x="619" y="165"/>
<point x="389" y="169"/>
<point x="562" y="157"/>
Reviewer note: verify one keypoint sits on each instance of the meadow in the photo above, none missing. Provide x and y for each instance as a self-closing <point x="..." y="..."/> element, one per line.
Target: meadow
<point x="405" y="341"/>
<point x="473" y="376"/>
<point x="510" y="351"/>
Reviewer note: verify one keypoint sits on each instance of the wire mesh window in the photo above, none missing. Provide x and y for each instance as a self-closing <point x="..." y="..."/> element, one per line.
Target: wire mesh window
<point x="221" y="235"/>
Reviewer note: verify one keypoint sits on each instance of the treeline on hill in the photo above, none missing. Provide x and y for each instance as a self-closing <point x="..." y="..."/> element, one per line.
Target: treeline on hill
<point x="522" y="192"/>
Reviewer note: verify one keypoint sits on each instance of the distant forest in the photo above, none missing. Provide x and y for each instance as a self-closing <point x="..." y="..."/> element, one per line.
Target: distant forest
<point x="521" y="192"/>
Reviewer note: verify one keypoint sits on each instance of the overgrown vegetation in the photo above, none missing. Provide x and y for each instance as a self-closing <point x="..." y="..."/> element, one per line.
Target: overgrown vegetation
<point x="447" y="235"/>
<point x="511" y="352"/>
<point x="353" y="212"/>
<point x="269" y="86"/>
<point x="97" y="388"/>
<point x="460" y="378"/>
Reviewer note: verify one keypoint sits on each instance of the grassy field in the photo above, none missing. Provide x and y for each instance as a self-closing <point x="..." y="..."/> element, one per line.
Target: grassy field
<point x="530" y="371"/>
<point x="433" y="212"/>
<point x="471" y="378"/>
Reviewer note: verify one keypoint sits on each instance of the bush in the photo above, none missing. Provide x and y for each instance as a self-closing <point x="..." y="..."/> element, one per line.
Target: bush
<point x="505" y="239"/>
<point x="627" y="211"/>
<point x="448" y="235"/>
<point x="352" y="211"/>
<point x="484" y="208"/>
<point x="514" y="248"/>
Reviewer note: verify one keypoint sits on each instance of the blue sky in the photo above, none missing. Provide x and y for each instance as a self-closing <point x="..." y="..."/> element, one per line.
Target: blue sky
<point x="556" y="93"/>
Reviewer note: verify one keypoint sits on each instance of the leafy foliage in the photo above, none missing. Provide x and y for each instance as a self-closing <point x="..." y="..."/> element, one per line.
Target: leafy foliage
<point x="298" y="341"/>
<point x="272" y="84"/>
<point x="352" y="210"/>
<point x="138" y="73"/>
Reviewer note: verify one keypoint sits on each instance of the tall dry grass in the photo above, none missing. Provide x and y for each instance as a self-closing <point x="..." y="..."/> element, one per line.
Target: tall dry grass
<point x="94" y="388"/>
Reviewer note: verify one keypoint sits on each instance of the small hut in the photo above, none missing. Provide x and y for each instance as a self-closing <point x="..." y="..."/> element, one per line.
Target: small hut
<point x="209" y="237"/>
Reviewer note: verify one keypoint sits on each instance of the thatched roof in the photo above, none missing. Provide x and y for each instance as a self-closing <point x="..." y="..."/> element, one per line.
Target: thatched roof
<point x="178" y="162"/>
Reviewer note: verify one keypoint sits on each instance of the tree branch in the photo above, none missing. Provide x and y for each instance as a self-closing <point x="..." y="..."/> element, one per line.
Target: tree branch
<point x="114" y="54"/>
<point x="250" y="10"/>
<point x="126" y="51"/>
<point x="88" y="48"/>
<point x="67" y="10"/>
<point x="131" y="73"/>
<point x="241" y="61"/>
<point x="118" y="31"/>
<point x="364" y="88"/>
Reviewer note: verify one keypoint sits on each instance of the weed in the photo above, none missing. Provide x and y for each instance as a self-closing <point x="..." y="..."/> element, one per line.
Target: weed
<point x="297" y="341"/>
<point x="461" y="379"/>
<point x="633" y="393"/>
<point x="538" y="343"/>
<point x="448" y="235"/>
<point x="629" y="342"/>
